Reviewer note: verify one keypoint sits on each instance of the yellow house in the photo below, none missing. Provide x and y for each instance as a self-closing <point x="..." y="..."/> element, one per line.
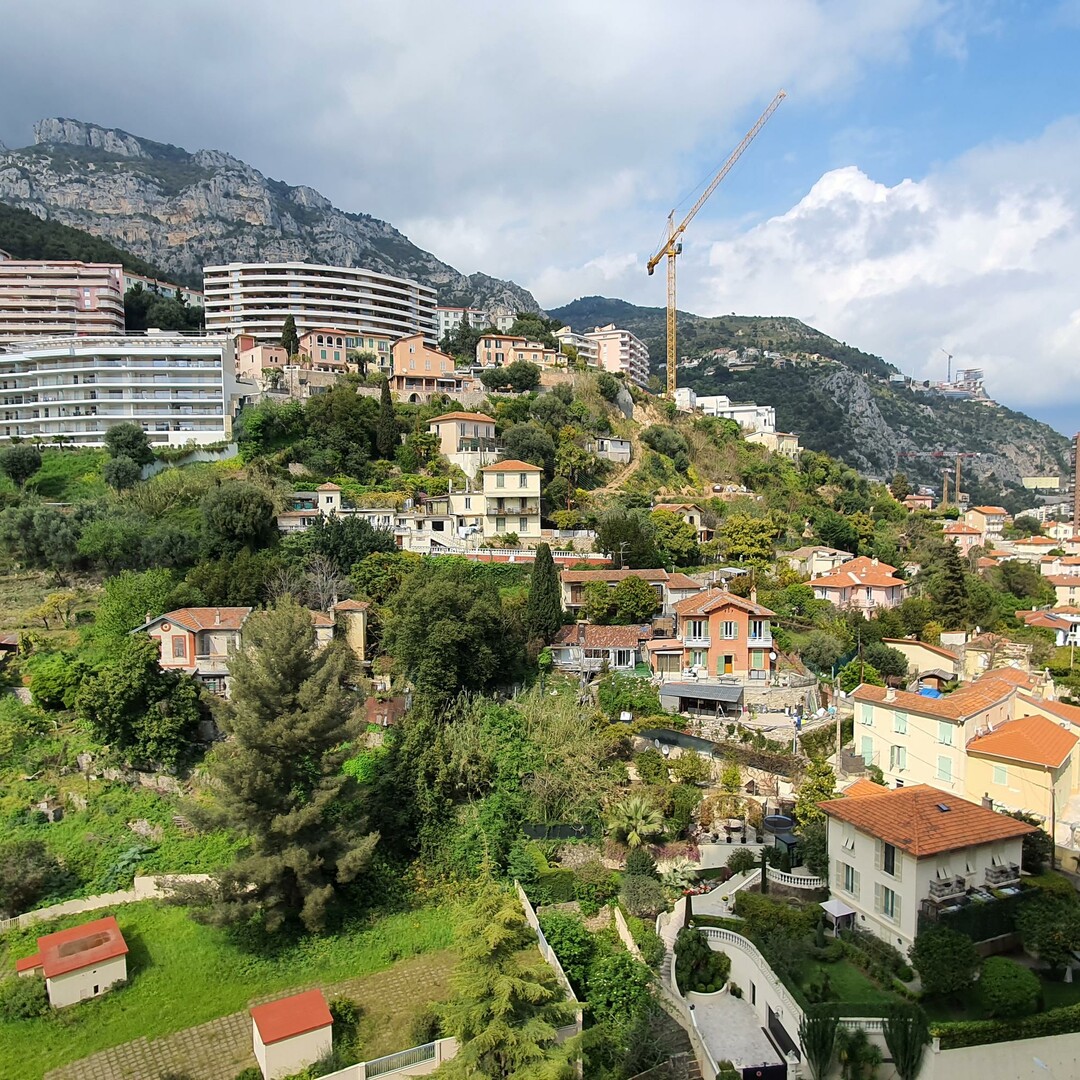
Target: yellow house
<point x="512" y="499"/>
<point x="1022" y="763"/>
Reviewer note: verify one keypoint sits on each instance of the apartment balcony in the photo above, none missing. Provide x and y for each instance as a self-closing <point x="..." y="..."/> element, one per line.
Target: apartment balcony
<point x="499" y="507"/>
<point x="212" y="664"/>
<point x="476" y="446"/>
<point x="1007" y="874"/>
<point x="947" y="888"/>
<point x="760" y="641"/>
<point x="692" y="641"/>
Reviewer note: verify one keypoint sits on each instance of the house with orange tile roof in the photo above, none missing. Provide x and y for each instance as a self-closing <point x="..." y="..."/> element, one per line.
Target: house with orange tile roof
<point x="1065" y="624"/>
<point x="934" y="662"/>
<point x="584" y="647"/>
<point x="1060" y="566"/>
<point x="670" y="587"/>
<point x="466" y="439"/>
<point x="861" y="584"/>
<point x="79" y="963"/>
<point x="1066" y="588"/>
<point x="1031" y="549"/>
<point x="814" y="560"/>
<point x="291" y="1033"/>
<point x="1028" y="764"/>
<point x="918" y="502"/>
<point x="985" y="652"/>
<point x="963" y="536"/>
<point x="512" y="500"/>
<point x="692" y="514"/>
<point x="718" y="633"/>
<point x="862" y="786"/>
<point x="916" y="850"/>
<point x="989" y="520"/>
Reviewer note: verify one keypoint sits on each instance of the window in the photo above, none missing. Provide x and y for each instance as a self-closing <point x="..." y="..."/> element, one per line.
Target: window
<point x="500" y="524"/>
<point x="179" y="648"/>
<point x="849" y="838"/>
<point x="322" y="354"/>
<point x="468" y="502"/>
<point x="866" y="715"/>
<point x="888" y="860"/>
<point x="1001" y="775"/>
<point x="753" y="994"/>
<point x="900" y="722"/>
<point x="890" y="906"/>
<point x="697" y="628"/>
<point x="944" y="768"/>
<point x="898" y="758"/>
<point x="866" y="751"/>
<point x="851" y="880"/>
<point x="523" y="524"/>
<point x="757" y="628"/>
<point x="523" y="480"/>
<point x="500" y="480"/>
<point x="944" y="733"/>
<point x="729" y="631"/>
<point x="698" y="658"/>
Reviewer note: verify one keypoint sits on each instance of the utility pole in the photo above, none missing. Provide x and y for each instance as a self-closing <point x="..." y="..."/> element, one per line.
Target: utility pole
<point x="956" y="486"/>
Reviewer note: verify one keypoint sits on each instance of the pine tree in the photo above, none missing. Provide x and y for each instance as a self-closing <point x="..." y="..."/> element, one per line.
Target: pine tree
<point x="280" y="779"/>
<point x="949" y="590"/>
<point x="290" y="342"/>
<point x="386" y="429"/>
<point x="505" y="1013"/>
<point x="543" y="611"/>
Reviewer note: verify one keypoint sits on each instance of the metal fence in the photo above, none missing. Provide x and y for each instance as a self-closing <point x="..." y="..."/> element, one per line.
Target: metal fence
<point x="403" y="1058"/>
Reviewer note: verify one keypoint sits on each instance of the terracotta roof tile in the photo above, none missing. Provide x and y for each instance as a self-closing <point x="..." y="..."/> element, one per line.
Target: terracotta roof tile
<point x="911" y="819"/>
<point x="960" y="704"/>
<point x="958" y="528"/>
<point x="710" y="600"/>
<point x="352" y="605"/>
<point x="480" y="418"/>
<point x="602" y="637"/>
<point x="1032" y="739"/>
<point x="990" y="510"/>
<point x="81" y="946"/>
<point x="1064" y="580"/>
<point x="576" y="577"/>
<point x="811" y="549"/>
<point x="683" y="581"/>
<point x="512" y="465"/>
<point x="206" y="618"/>
<point x="328" y="487"/>
<point x="860" y="571"/>
<point x="863" y="787"/>
<point x="291" y="1016"/>
<point x="1055" y="708"/>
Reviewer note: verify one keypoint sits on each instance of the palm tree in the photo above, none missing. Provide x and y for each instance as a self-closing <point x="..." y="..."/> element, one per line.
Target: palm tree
<point x="635" y="821"/>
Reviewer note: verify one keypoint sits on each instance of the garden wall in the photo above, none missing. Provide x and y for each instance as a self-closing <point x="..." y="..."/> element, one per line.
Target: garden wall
<point x="1055" y="1056"/>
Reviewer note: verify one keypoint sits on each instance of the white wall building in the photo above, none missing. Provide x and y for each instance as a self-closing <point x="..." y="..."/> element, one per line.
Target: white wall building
<point x="289" y="1034"/>
<point x="586" y="346"/>
<point x="79" y="963"/>
<point x="191" y="297"/>
<point x="450" y="318"/>
<point x="180" y="389"/>
<point x="256" y="298"/>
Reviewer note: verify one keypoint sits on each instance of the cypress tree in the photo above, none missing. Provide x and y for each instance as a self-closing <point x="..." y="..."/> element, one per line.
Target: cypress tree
<point x="906" y="1035"/>
<point x="280" y="778"/>
<point x="543" y="611"/>
<point x="386" y="429"/>
<point x="950" y="591"/>
<point x="290" y="341"/>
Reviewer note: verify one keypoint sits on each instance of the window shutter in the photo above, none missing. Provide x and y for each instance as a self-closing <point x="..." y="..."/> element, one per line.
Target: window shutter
<point x="898" y="866"/>
<point x="877" y="854"/>
<point x="878" y="899"/>
<point x="896" y="906"/>
<point x="838" y="874"/>
<point x="856" y="892"/>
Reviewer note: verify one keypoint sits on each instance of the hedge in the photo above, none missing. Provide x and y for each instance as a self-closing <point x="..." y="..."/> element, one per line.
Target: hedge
<point x="1063" y="1021"/>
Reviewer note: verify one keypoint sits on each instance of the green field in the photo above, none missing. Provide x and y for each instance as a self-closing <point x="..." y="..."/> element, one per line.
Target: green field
<point x="182" y="974"/>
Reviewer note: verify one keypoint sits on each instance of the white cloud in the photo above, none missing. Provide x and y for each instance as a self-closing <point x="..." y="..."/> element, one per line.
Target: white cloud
<point x="979" y="257"/>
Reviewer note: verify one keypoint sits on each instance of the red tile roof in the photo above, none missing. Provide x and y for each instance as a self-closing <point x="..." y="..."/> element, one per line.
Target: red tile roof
<point x="990" y="510"/>
<point x="863" y="787"/>
<point x="666" y="644"/>
<point x="328" y="487"/>
<point x="683" y="581"/>
<point x="958" y="528"/>
<point x="911" y="819"/>
<point x="1055" y="708"/>
<point x="578" y="577"/>
<point x="1034" y="740"/>
<point x="969" y="700"/>
<point x="28" y="963"/>
<point x="291" y="1016"/>
<point x="705" y="603"/>
<point x="860" y="571"/>
<point x="351" y="605"/>
<point x="81" y="947"/>
<point x="321" y="618"/>
<point x="513" y="465"/>
<point x="206" y="618"/>
<point x="676" y="507"/>
<point x="1064" y="580"/>
<point x="601" y="637"/>
<point x="479" y="417"/>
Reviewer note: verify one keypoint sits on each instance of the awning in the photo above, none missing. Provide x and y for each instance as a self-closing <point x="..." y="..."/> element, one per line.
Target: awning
<point x="837" y="908"/>
<point x="702" y="691"/>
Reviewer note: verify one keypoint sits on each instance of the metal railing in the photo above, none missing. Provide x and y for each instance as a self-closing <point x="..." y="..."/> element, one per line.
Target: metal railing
<point x="402" y="1059"/>
<point x="737" y="941"/>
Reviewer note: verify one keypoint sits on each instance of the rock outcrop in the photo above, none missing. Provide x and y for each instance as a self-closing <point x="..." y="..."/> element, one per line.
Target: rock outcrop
<point x="182" y="211"/>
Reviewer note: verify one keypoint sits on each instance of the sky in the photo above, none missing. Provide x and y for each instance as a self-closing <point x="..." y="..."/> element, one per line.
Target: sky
<point x="917" y="191"/>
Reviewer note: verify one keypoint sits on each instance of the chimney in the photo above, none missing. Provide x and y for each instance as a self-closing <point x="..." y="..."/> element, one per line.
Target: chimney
<point x="581" y="632"/>
<point x="873" y="561"/>
<point x="149" y="616"/>
<point x="987" y="802"/>
<point x="217" y="616"/>
<point x="890" y="693"/>
<point x="753" y="594"/>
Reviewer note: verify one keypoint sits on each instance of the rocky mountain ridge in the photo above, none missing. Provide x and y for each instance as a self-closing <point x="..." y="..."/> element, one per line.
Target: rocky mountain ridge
<point x="182" y="210"/>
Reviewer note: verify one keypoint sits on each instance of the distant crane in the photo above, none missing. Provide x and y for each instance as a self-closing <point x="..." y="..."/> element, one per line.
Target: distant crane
<point x="947" y="353"/>
<point x="958" y="454"/>
<point x="673" y="244"/>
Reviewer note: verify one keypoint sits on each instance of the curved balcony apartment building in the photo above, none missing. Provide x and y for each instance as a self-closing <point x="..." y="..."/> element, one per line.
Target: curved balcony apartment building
<point x="256" y="298"/>
<point x="181" y="390"/>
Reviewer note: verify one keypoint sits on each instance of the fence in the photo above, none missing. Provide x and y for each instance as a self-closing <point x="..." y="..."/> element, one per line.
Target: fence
<point x="796" y="881"/>
<point x="402" y="1059"/>
<point x="416" y="1061"/>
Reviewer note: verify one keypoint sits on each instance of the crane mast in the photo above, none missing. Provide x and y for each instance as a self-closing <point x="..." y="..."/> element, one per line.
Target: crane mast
<point x="672" y="246"/>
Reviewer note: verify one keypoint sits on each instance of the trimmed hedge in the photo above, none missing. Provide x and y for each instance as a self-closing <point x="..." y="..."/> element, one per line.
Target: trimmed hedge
<point x="1064" y="1021"/>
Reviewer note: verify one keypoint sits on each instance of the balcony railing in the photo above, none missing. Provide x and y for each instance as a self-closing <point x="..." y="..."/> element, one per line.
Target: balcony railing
<point x="697" y="639"/>
<point x="946" y="888"/>
<point x="761" y="641"/>
<point x="1007" y="874"/>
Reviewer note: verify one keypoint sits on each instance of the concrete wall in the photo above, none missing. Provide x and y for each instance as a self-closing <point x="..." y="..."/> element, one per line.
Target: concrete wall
<point x="1055" y="1057"/>
<point x="291" y="1055"/>
<point x="77" y="986"/>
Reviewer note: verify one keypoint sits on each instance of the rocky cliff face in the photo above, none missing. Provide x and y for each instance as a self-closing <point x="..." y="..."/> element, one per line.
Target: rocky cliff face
<point x="183" y="210"/>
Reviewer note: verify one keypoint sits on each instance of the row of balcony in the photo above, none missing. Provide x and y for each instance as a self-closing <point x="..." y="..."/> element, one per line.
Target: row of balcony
<point x="996" y="877"/>
<point x="754" y="641"/>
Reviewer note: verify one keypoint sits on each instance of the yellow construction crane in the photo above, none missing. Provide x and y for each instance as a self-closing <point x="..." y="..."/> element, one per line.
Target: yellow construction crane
<point x="673" y="243"/>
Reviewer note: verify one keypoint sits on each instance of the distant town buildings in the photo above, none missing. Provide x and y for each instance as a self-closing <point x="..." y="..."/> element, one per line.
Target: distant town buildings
<point x="450" y="318"/>
<point x="748" y="415"/>
<point x="73" y="389"/>
<point x="256" y="298"/>
<point x="862" y="584"/>
<point x="621" y="353"/>
<point x="584" y="345"/>
<point x="167" y="289"/>
<point x="41" y="298"/>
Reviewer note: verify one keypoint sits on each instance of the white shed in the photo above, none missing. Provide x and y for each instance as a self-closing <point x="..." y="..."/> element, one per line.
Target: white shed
<point x="79" y="963"/>
<point x="291" y="1033"/>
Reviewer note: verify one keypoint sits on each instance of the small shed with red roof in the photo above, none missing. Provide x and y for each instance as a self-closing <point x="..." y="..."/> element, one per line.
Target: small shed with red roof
<point x="291" y="1033"/>
<point x="79" y="963"/>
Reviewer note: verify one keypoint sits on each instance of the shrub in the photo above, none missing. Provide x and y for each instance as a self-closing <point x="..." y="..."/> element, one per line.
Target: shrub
<point x="619" y="986"/>
<point x="945" y="960"/>
<point x="652" y="767"/>
<point x="22" y="997"/>
<point x="573" y="944"/>
<point x="697" y="966"/>
<point x="741" y="861"/>
<point x="425" y="1026"/>
<point x="639" y="863"/>
<point x="652" y="947"/>
<point x="979" y="1032"/>
<point x="763" y="915"/>
<point x="642" y="896"/>
<point x="595" y="883"/>
<point x="1006" y="988"/>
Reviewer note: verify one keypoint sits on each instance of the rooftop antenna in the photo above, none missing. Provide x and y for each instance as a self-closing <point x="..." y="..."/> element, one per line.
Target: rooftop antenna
<point x="949" y="355"/>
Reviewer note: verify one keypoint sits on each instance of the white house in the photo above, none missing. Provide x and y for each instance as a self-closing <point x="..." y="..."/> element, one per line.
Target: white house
<point x="916" y="848"/>
<point x="292" y="1033"/>
<point x="585" y="647"/>
<point x="79" y="963"/>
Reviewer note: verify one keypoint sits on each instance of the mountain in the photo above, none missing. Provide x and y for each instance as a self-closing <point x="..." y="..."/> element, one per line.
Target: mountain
<point x="182" y="210"/>
<point x="839" y="400"/>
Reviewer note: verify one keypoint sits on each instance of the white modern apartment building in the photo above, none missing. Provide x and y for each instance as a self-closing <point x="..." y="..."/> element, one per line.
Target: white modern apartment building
<point x="585" y="346"/>
<point x="620" y="352"/>
<point x="191" y="297"/>
<point x="40" y="297"/>
<point x="72" y="390"/>
<point x="256" y="298"/>
<point x="748" y="415"/>
<point x="450" y="318"/>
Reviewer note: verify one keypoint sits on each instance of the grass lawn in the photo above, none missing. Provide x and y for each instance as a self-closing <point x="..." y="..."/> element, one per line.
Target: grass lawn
<point x="183" y="974"/>
<point x="848" y="984"/>
<point x="70" y="475"/>
<point x="1056" y="995"/>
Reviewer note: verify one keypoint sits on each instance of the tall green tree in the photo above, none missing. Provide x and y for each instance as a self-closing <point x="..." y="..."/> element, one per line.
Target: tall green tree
<point x="635" y="601"/>
<point x="20" y="462"/>
<point x="237" y="515"/>
<point x="506" y="1012"/>
<point x="121" y="472"/>
<point x="948" y="587"/>
<point x="130" y="599"/>
<point x="906" y="1035"/>
<point x="945" y="959"/>
<point x="280" y="779"/>
<point x="818" y="785"/>
<point x="629" y="537"/>
<point x="290" y="340"/>
<point x="817" y="1035"/>
<point x="676" y="538"/>
<point x="386" y="428"/>
<point x="544" y="611"/>
<point x="130" y="441"/>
